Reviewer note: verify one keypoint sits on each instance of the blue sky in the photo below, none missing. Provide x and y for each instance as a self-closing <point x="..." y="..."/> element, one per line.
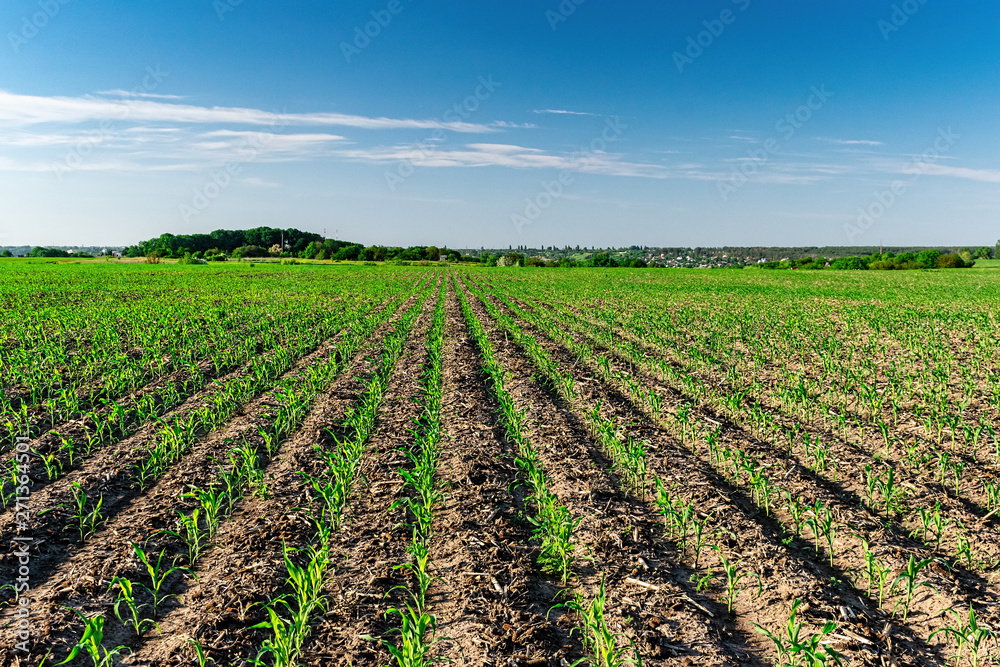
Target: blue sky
<point x="732" y="122"/>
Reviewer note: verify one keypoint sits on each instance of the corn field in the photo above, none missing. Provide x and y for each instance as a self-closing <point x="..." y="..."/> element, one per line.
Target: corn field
<point x="313" y="465"/>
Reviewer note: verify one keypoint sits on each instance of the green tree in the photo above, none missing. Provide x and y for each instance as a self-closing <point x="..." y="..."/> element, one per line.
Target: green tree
<point x="952" y="261"/>
<point x="348" y="253"/>
<point x="6" y="253"/>
<point x="929" y="258"/>
<point x="849" y="264"/>
<point x="511" y="259"/>
<point x="39" y="251"/>
<point x="310" y="250"/>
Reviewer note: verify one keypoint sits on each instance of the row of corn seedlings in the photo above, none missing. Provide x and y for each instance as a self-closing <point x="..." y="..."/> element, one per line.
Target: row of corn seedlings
<point x="290" y="616"/>
<point x="735" y="463"/>
<point x="554" y="525"/>
<point x="119" y="420"/>
<point x="683" y="523"/>
<point x="138" y="603"/>
<point x="885" y="490"/>
<point x="601" y="645"/>
<point x="422" y="494"/>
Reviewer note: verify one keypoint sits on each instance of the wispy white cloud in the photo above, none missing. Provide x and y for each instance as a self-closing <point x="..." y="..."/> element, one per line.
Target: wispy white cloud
<point x="152" y="130"/>
<point x="983" y="175"/>
<point x="507" y="125"/>
<point x="144" y="95"/>
<point x="30" y="110"/>
<point x="503" y="148"/>
<point x="564" y="112"/>
<point x="255" y="182"/>
<point x="852" y="142"/>
<point x="269" y="136"/>
<point x="505" y="155"/>
<point x="33" y="140"/>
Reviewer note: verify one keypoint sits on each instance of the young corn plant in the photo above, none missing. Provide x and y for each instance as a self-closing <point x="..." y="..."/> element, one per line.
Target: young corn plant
<point x="796" y="649"/>
<point x="419" y="567"/>
<point x="92" y="643"/>
<point x="602" y="647"/>
<point x="734" y="579"/>
<point x="963" y="547"/>
<point x="200" y="654"/>
<point x="664" y="504"/>
<point x="133" y="609"/>
<point x="816" y="519"/>
<point x="908" y="578"/>
<point x="554" y="525"/>
<point x="157" y="577"/>
<point x="967" y="633"/>
<point x="700" y="537"/>
<point x="86" y="520"/>
<point x="53" y="466"/>
<point x="829" y="527"/>
<point x="876" y="572"/>
<point x="937" y="523"/>
<point x="417" y="632"/>
<point x="211" y="501"/>
<point x="797" y="508"/>
<point x="191" y="533"/>
<point x="992" y="491"/>
<point x="306" y="598"/>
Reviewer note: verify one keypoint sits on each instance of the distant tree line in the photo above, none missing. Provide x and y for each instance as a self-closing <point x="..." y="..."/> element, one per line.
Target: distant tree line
<point x="925" y="259"/>
<point x="775" y="253"/>
<point x="600" y="260"/>
<point x="270" y="242"/>
<point x="41" y="251"/>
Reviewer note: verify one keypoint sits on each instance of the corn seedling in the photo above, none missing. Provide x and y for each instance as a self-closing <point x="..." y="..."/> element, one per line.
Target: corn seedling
<point x="92" y="643"/>
<point x="85" y="520"/>
<point x="796" y="649"/>
<point x="416" y="637"/>
<point x="157" y="577"/>
<point x="798" y="509"/>
<point x="967" y="633"/>
<point x="734" y="579"/>
<point x="190" y="533"/>
<point x="126" y="598"/>
<point x="908" y="577"/>
<point x="876" y="572"/>
<point x="200" y="654"/>
<point x="601" y="646"/>
<point x="700" y="537"/>
<point x="992" y="491"/>
<point x="307" y="597"/>
<point x="211" y="501"/>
